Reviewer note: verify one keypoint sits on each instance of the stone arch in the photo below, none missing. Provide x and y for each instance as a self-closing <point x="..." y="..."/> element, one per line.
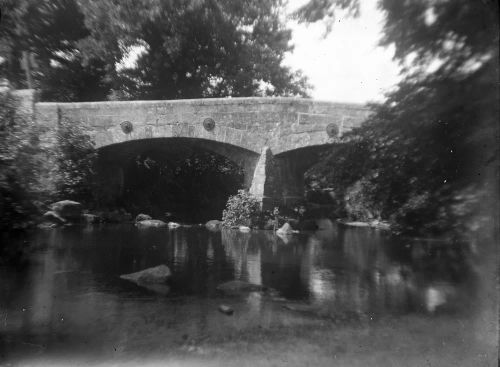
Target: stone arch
<point x="113" y="157"/>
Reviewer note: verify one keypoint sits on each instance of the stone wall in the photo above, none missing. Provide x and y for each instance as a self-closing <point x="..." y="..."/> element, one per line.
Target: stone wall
<point x="282" y="124"/>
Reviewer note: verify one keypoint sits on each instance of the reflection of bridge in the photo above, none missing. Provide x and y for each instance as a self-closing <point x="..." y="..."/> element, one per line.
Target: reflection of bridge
<point x="272" y="139"/>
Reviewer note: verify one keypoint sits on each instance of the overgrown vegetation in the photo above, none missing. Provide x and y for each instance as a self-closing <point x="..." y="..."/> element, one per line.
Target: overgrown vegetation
<point x="19" y="166"/>
<point x="185" y="49"/>
<point x="32" y="172"/>
<point x="242" y="209"/>
<point x="427" y="158"/>
<point x="191" y="183"/>
<point x="75" y="156"/>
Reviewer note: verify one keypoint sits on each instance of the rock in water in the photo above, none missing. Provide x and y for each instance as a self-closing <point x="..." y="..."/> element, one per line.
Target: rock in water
<point x="53" y="217"/>
<point x="158" y="274"/>
<point x="67" y="209"/>
<point x="226" y="309"/>
<point x="173" y="225"/>
<point x="141" y="217"/>
<point x="151" y="223"/>
<point x="213" y="225"/>
<point x="238" y="286"/>
<point x="286" y="229"/>
<point x="244" y="229"/>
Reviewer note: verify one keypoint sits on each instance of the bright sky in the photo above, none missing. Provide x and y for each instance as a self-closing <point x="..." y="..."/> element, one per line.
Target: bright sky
<point x="347" y="65"/>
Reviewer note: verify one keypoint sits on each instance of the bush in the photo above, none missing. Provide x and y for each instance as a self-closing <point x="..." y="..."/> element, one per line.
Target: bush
<point x="19" y="166"/>
<point x="75" y="157"/>
<point x="242" y="209"/>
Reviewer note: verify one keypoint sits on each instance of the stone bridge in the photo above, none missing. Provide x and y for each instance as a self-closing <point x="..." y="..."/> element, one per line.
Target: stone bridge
<point x="273" y="139"/>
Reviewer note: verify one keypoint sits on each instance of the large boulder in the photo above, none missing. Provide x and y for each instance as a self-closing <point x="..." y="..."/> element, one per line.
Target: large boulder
<point x="213" y="225"/>
<point x="286" y="229"/>
<point x="239" y="286"/>
<point x="151" y="223"/>
<point x="141" y="217"/>
<point x="67" y="209"/>
<point x="157" y="275"/>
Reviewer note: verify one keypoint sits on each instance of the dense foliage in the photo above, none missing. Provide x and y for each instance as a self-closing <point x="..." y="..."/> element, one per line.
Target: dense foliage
<point x="241" y="210"/>
<point x="19" y="166"/>
<point x="192" y="184"/>
<point x="427" y="156"/>
<point x="185" y="49"/>
<point x="73" y="174"/>
<point x="33" y="174"/>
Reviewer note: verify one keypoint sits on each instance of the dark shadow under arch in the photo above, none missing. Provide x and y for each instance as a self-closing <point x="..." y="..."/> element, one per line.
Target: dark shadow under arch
<point x="190" y="178"/>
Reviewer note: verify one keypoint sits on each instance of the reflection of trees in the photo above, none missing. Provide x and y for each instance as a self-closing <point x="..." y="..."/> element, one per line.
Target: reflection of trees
<point x="338" y="270"/>
<point x="366" y="272"/>
<point x="244" y="253"/>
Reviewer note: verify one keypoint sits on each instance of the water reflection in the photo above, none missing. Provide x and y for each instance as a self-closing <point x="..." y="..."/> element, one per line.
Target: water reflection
<point x="71" y="292"/>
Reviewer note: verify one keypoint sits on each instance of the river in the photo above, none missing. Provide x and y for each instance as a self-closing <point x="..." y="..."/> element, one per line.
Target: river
<point x="336" y="296"/>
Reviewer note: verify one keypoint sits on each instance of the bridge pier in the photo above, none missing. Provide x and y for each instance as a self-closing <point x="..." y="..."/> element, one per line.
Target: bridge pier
<point x="277" y="181"/>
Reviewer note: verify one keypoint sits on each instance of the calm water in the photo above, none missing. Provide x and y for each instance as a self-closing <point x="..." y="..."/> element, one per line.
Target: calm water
<point x="67" y="300"/>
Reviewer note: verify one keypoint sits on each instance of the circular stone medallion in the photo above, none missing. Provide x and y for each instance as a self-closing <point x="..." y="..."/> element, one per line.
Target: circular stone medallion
<point x="126" y="127"/>
<point x="208" y="124"/>
<point x="332" y="130"/>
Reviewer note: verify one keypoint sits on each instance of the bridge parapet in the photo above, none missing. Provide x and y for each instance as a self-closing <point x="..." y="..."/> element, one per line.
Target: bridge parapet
<point x="280" y="123"/>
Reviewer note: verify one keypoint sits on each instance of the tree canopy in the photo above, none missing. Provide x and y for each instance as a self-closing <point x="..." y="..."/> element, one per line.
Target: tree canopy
<point x="185" y="48"/>
<point x="430" y="149"/>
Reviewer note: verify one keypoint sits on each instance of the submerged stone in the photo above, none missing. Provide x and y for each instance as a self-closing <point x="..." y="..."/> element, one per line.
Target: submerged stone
<point x="156" y="275"/>
<point x="300" y="307"/>
<point x="159" y="288"/>
<point x="239" y="286"/>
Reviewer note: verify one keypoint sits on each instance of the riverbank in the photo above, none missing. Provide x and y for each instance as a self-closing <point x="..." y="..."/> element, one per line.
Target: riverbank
<point x="310" y="342"/>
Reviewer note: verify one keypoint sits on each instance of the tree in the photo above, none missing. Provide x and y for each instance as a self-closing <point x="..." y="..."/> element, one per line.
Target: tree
<point x="187" y="48"/>
<point x="435" y="138"/>
<point x="203" y="48"/>
<point x="52" y="33"/>
<point x="19" y="166"/>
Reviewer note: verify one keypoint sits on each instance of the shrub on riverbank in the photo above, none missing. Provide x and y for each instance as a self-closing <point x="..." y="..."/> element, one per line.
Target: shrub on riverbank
<point x="19" y="166"/>
<point x="33" y="172"/>
<point x="75" y="157"/>
<point x="423" y="160"/>
<point x="242" y="209"/>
